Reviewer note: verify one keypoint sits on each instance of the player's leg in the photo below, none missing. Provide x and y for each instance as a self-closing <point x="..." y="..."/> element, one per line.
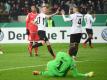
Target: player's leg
<point x="48" y="44"/>
<point x="50" y="48"/>
<point x="74" y="43"/>
<point x="75" y="73"/>
<point x="36" y="51"/>
<point x="43" y="73"/>
<point x="41" y="35"/>
<point x="90" y="42"/>
<point x="87" y="40"/>
<point x="72" y="49"/>
<point x="43" y="38"/>
<point x="36" y="38"/>
<point x="30" y="43"/>
<point x="90" y="38"/>
<point x="50" y="70"/>
<point x="38" y="44"/>
<point x="30" y="48"/>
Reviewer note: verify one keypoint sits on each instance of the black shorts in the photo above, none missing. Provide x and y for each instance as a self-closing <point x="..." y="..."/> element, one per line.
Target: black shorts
<point x="42" y="35"/>
<point x="89" y="31"/>
<point x="75" y="38"/>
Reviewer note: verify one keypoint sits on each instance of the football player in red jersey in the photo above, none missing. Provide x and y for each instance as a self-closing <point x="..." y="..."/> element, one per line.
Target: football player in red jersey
<point x="31" y="30"/>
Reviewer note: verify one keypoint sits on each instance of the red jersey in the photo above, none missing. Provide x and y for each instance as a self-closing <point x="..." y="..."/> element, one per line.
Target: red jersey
<point x="29" y="25"/>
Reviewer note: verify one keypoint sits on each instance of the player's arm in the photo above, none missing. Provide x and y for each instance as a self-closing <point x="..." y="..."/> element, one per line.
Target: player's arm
<point x="92" y="19"/>
<point x="76" y="73"/>
<point x="35" y="20"/>
<point x="65" y="18"/>
<point x="27" y="21"/>
<point x="48" y="16"/>
<point x="27" y="24"/>
<point x="43" y="73"/>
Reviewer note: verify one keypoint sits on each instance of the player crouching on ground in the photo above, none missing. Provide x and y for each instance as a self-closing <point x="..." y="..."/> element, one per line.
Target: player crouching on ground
<point x="60" y="66"/>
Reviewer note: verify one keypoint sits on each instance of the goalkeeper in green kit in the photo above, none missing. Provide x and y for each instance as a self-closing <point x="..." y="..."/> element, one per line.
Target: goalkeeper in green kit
<point x="60" y="66"/>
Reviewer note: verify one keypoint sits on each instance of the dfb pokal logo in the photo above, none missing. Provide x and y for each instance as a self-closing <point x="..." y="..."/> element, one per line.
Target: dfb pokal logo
<point x="104" y="34"/>
<point x="1" y="36"/>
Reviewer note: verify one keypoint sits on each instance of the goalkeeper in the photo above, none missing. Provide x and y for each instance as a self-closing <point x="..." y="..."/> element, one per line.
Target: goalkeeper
<point x="60" y="66"/>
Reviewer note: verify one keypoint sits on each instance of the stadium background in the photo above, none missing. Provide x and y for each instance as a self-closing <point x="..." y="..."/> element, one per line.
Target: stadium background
<point x="15" y="63"/>
<point x="13" y="15"/>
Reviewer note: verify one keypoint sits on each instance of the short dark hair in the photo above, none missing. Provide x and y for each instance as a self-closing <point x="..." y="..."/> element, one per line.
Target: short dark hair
<point x="77" y="7"/>
<point x="90" y="11"/>
<point x="45" y="5"/>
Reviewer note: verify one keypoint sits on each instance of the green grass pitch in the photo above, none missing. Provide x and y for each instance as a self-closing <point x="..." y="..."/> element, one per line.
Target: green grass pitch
<point x="15" y="63"/>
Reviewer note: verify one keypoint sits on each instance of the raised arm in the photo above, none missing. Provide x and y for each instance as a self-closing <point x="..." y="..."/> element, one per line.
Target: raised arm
<point x="65" y="18"/>
<point x="93" y="18"/>
<point x="48" y="16"/>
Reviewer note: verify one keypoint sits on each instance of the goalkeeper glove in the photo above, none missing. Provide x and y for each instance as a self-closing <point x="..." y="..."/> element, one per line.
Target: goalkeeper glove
<point x="90" y="74"/>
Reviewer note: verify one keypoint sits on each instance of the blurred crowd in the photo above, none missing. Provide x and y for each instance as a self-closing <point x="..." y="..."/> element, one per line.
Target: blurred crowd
<point x="14" y="8"/>
<point x="96" y="5"/>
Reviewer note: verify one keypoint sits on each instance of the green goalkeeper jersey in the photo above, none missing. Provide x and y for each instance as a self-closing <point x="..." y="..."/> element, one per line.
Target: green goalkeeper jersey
<point x="60" y="66"/>
<point x="63" y="62"/>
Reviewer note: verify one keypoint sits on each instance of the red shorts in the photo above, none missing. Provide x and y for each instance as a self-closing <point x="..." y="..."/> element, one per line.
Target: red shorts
<point x="33" y="37"/>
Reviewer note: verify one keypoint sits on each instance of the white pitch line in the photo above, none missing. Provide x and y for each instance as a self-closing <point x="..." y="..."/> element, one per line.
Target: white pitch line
<point x="44" y="65"/>
<point x="20" y="67"/>
<point x="89" y="60"/>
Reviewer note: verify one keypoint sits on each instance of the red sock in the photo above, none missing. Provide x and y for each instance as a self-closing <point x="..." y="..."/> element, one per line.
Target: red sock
<point x="30" y="48"/>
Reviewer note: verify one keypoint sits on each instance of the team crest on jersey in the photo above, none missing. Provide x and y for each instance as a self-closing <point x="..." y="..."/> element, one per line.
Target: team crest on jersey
<point x="1" y="36"/>
<point x="104" y="34"/>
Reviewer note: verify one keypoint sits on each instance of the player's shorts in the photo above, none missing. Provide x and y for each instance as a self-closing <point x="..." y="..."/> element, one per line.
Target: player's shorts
<point x="89" y="31"/>
<point x="33" y="36"/>
<point x="42" y="35"/>
<point x="75" y="37"/>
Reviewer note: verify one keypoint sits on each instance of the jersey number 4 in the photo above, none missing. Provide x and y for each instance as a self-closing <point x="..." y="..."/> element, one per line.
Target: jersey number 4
<point x="79" y="21"/>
